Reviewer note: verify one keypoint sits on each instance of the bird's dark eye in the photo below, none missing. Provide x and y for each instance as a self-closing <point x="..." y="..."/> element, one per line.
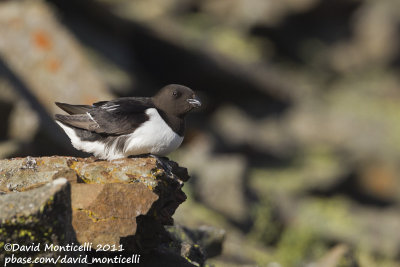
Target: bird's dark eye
<point x="175" y="93"/>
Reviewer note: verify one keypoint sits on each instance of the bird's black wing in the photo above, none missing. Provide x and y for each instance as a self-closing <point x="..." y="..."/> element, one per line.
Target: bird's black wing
<point x="116" y="117"/>
<point x="73" y="109"/>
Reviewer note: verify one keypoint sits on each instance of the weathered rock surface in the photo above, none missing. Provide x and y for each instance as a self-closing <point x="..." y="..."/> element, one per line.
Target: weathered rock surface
<point x="53" y="64"/>
<point x="189" y="241"/>
<point x="42" y="63"/>
<point x="122" y="202"/>
<point x="225" y="173"/>
<point x="40" y="216"/>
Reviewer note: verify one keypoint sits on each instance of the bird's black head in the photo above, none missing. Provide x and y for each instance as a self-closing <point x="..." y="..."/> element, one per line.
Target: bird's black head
<point x="176" y="100"/>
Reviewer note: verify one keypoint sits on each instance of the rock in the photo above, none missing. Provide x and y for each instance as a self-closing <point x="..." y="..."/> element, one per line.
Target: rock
<point x="203" y="242"/>
<point x="119" y="192"/>
<point x="196" y="216"/>
<point x="374" y="29"/>
<point x="123" y="202"/>
<point x="39" y="216"/>
<point x="267" y="13"/>
<point x="315" y="169"/>
<point x="211" y="239"/>
<point x="225" y="173"/>
<point x="51" y="56"/>
<point x="232" y="124"/>
<point x="340" y="220"/>
<point x="104" y="213"/>
<point x="43" y="62"/>
<point x="21" y="174"/>
<point x="180" y="243"/>
<point x="339" y="255"/>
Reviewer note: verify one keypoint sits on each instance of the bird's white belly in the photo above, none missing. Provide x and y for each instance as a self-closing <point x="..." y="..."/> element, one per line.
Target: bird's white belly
<point x="154" y="136"/>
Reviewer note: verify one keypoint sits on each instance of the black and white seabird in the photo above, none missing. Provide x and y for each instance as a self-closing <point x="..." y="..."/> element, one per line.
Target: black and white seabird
<point x="130" y="126"/>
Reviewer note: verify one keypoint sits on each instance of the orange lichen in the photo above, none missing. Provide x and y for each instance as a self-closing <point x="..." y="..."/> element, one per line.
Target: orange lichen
<point x="42" y="40"/>
<point x="53" y="65"/>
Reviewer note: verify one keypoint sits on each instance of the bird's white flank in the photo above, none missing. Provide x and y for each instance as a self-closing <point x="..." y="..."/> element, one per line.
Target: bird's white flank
<point x="154" y="136"/>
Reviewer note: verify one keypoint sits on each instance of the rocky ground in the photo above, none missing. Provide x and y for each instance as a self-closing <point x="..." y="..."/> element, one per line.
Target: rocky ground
<point x="295" y="153"/>
<point x="127" y="203"/>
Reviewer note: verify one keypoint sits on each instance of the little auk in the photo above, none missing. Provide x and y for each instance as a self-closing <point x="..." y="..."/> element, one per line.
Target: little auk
<point x="130" y="126"/>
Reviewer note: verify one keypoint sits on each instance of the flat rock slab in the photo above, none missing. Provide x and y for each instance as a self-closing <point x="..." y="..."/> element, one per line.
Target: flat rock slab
<point x="125" y="201"/>
<point x="53" y="65"/>
<point x="103" y="213"/>
<point x="21" y="174"/>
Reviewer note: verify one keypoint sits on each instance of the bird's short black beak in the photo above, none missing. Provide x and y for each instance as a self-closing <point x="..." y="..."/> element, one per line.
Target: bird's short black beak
<point x="195" y="102"/>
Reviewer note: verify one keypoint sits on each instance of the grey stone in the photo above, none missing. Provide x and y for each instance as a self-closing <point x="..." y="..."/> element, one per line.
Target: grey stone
<point x="41" y="217"/>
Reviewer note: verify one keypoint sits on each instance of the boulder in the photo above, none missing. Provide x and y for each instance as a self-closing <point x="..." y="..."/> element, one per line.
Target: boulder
<point x="224" y="173"/>
<point x="53" y="65"/>
<point x="123" y="203"/>
<point x="37" y="218"/>
<point x="42" y="63"/>
<point x="196" y="244"/>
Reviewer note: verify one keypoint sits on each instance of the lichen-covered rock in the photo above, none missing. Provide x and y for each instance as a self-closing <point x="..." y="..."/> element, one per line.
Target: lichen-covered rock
<point x="38" y="217"/>
<point x="122" y="202"/>
<point x="53" y="65"/>
<point x="21" y="174"/>
<point x="103" y="213"/>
